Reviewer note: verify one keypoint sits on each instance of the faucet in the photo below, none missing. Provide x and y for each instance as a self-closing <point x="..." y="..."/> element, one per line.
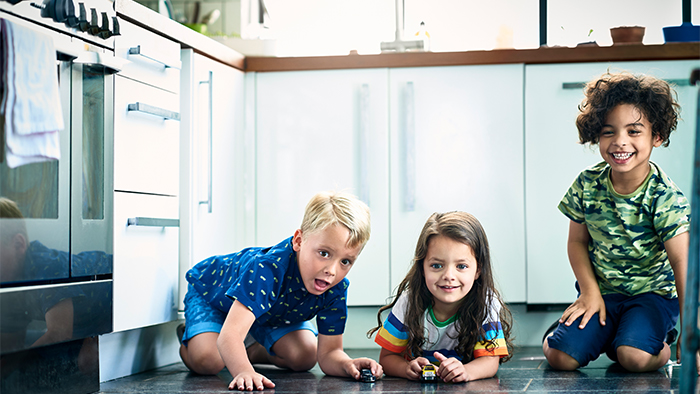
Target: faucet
<point x="399" y="45"/>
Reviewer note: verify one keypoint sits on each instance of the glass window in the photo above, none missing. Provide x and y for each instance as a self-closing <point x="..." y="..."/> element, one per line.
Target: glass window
<point x="569" y="22"/>
<point x="336" y="27"/>
<point x="322" y="27"/>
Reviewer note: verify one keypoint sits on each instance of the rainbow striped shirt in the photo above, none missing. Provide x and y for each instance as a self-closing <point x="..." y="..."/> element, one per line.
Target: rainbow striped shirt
<point x="440" y="336"/>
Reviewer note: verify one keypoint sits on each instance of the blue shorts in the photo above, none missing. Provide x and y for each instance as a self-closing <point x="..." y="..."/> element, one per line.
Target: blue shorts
<point x="640" y="321"/>
<point x="201" y="317"/>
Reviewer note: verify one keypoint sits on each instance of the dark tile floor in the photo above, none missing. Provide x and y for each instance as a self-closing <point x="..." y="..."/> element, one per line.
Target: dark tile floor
<point x="527" y="371"/>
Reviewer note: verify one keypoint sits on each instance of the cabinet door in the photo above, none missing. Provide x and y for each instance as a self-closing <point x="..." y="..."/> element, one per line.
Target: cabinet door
<point x="325" y="130"/>
<point x="213" y="178"/>
<point x="456" y="144"/>
<point x="554" y="159"/>
<point x="145" y="260"/>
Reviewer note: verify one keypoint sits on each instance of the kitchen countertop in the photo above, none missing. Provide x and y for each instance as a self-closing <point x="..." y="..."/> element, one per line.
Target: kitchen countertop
<point x="188" y="38"/>
<point x="149" y="19"/>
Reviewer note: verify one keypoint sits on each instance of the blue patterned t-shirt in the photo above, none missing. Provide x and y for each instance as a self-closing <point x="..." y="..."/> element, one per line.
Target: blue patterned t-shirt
<point x="267" y="281"/>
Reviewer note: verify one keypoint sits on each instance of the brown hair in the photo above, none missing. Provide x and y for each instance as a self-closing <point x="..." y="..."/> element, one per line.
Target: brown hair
<point x="652" y="96"/>
<point x="475" y="307"/>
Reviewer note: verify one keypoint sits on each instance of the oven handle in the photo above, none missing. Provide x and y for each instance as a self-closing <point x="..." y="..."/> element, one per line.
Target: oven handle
<point x="65" y="52"/>
<point x="111" y="64"/>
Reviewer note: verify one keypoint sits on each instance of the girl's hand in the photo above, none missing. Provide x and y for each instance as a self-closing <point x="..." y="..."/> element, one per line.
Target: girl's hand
<point x="355" y="365"/>
<point x="586" y="306"/>
<point x="249" y="381"/>
<point x="415" y="367"/>
<point x="451" y="370"/>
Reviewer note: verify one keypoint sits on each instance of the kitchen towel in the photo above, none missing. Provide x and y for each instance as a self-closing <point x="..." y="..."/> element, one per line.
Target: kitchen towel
<point x="30" y="110"/>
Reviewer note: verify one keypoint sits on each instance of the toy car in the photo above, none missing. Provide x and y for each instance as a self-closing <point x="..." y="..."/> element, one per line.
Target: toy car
<point x="366" y="376"/>
<point x="429" y="373"/>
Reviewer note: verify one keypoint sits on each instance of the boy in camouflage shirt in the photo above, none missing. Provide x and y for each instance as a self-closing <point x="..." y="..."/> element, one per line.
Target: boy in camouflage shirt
<point x="628" y="235"/>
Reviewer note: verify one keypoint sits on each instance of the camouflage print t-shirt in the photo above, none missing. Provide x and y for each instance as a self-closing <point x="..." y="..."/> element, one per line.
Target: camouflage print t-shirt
<point x="627" y="232"/>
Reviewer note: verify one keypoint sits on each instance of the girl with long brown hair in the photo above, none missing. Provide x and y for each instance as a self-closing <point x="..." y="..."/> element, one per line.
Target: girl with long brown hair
<point x="447" y="311"/>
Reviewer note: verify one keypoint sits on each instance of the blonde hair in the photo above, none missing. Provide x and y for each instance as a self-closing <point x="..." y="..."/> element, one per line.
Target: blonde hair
<point x="11" y="220"/>
<point x="329" y="208"/>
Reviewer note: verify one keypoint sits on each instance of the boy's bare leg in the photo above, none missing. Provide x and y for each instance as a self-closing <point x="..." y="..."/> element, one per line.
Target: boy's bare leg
<point x="295" y="351"/>
<point x="558" y="359"/>
<point x="637" y="360"/>
<point x="202" y="355"/>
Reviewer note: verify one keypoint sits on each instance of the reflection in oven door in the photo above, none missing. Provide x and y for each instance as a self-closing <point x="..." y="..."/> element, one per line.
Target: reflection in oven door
<point x="65" y="206"/>
<point x="56" y="231"/>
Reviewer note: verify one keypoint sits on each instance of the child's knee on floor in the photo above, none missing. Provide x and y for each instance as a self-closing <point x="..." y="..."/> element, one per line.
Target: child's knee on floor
<point x="558" y="359"/>
<point x="201" y="355"/>
<point x="205" y="363"/>
<point x="637" y="360"/>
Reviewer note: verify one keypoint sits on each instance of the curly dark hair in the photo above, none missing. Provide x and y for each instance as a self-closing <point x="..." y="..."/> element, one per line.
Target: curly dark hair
<point x="652" y="96"/>
<point x="475" y="306"/>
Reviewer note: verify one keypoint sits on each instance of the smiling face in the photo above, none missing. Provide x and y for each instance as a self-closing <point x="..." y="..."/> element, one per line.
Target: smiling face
<point x="626" y="142"/>
<point x="324" y="257"/>
<point x="450" y="270"/>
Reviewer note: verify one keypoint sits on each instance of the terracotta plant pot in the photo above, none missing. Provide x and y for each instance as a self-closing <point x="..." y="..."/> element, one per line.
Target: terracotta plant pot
<point x="627" y="34"/>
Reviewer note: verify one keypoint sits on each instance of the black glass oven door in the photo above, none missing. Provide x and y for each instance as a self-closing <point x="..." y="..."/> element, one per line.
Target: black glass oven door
<point x="35" y="218"/>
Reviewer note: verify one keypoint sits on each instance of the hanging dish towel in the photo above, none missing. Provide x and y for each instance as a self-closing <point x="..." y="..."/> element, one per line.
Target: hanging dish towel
<point x="30" y="110"/>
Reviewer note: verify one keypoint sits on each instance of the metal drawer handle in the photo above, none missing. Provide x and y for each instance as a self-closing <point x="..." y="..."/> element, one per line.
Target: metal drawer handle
<point x="152" y="222"/>
<point x="581" y="85"/>
<point x="210" y="175"/>
<point x="138" y="51"/>
<point x="151" y="110"/>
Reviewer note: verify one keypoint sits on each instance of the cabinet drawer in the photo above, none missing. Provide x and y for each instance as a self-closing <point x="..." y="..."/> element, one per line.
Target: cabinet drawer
<point x="153" y="59"/>
<point x="146" y="268"/>
<point x="146" y="146"/>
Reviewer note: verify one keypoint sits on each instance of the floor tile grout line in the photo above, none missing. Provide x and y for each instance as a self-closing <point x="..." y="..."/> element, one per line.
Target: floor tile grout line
<point x="528" y="385"/>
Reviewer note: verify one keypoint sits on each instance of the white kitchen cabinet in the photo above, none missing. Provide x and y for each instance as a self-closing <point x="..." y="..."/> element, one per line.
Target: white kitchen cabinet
<point x="145" y="261"/>
<point x="325" y="130"/>
<point x="456" y="144"/>
<point x="147" y="141"/>
<point x="438" y="139"/>
<point x="553" y="160"/>
<point x="150" y="57"/>
<point x="216" y="180"/>
<point x="146" y="179"/>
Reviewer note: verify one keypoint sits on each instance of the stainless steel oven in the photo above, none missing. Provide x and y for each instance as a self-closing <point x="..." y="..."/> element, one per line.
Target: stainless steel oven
<point x="56" y="276"/>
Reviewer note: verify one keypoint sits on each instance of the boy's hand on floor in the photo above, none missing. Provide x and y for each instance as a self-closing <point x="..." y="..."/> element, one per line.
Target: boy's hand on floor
<point x="586" y="306"/>
<point x="249" y="381"/>
<point x="415" y="367"/>
<point x="353" y="368"/>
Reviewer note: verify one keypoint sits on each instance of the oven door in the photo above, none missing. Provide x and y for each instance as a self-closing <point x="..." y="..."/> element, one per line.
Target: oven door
<point x="66" y="204"/>
<point x="92" y="168"/>
<point x="66" y="221"/>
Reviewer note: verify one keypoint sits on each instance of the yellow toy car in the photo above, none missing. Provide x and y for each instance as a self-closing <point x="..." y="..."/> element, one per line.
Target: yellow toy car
<point x="429" y="373"/>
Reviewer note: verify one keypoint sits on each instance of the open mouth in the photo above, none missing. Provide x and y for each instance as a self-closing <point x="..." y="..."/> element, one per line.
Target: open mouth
<point x="321" y="285"/>
<point x="449" y="288"/>
<point x="621" y="156"/>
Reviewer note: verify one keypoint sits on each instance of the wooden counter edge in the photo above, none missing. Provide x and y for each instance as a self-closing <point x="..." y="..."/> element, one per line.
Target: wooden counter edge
<point x="671" y="51"/>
